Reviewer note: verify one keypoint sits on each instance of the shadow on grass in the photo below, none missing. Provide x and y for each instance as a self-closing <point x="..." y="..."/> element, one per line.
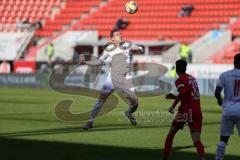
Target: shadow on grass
<point x="23" y="101"/>
<point x="43" y="150"/>
<point x="102" y="128"/>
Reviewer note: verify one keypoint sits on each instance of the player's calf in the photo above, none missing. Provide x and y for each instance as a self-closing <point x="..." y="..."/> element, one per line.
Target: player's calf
<point x="131" y="118"/>
<point x="200" y="149"/>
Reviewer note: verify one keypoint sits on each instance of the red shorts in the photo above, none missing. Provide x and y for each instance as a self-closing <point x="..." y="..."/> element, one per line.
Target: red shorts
<point x="193" y="118"/>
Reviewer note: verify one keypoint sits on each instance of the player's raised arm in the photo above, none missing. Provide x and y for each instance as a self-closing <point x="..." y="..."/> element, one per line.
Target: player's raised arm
<point x="94" y="62"/>
<point x="134" y="48"/>
<point x="170" y="96"/>
<point x="139" y="49"/>
<point x="99" y="61"/>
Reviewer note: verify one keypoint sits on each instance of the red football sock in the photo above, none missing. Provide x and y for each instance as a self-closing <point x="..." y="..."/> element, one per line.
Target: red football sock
<point x="200" y="148"/>
<point x="168" y="145"/>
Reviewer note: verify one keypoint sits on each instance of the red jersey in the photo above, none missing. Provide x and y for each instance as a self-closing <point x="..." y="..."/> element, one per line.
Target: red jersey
<point x="189" y="110"/>
<point x="188" y="93"/>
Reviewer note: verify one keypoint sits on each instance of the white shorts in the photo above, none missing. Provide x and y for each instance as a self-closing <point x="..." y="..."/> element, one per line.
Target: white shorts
<point x="228" y="123"/>
<point x="109" y="88"/>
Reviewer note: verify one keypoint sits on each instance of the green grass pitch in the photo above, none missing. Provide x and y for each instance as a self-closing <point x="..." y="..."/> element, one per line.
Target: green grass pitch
<point x="30" y="130"/>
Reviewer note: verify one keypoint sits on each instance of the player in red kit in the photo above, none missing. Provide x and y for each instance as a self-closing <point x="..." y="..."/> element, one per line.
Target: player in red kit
<point x="188" y="112"/>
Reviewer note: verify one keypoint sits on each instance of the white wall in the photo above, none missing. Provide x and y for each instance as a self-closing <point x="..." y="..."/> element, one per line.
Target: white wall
<point x="11" y="43"/>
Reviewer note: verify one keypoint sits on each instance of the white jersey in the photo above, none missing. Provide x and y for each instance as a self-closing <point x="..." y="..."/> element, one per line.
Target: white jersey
<point x="122" y="64"/>
<point x="230" y="82"/>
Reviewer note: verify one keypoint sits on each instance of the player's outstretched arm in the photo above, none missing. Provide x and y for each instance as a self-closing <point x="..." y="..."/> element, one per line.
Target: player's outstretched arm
<point x="171" y="109"/>
<point x="170" y="96"/>
<point x="218" y="96"/>
<point x="182" y="92"/>
<point x="95" y="62"/>
<point x="139" y="49"/>
<point x="99" y="61"/>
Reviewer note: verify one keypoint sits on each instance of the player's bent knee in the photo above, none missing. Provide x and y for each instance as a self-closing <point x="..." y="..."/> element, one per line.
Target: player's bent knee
<point x="134" y="102"/>
<point x="224" y="139"/>
<point x="135" y="105"/>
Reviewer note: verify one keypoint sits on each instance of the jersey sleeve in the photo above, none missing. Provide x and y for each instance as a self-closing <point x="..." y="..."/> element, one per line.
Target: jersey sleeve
<point x="99" y="61"/>
<point x="179" y="84"/>
<point x="221" y="80"/>
<point x="182" y="89"/>
<point x="138" y="48"/>
<point x="107" y="51"/>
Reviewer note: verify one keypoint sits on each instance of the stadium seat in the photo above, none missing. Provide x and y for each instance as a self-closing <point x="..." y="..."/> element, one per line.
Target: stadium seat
<point x="11" y="10"/>
<point x="161" y="18"/>
<point x="71" y="11"/>
<point x="155" y="19"/>
<point x="226" y="56"/>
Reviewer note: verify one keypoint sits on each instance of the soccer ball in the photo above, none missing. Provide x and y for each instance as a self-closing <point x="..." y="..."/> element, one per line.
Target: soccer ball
<point x="131" y="7"/>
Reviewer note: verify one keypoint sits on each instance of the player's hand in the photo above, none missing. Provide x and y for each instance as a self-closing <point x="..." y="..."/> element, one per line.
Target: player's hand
<point x="170" y="96"/>
<point x="171" y="109"/>
<point x="219" y="101"/>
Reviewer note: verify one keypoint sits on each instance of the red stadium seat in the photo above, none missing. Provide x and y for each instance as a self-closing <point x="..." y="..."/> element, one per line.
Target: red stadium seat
<point x="11" y="10"/>
<point x="226" y="56"/>
<point x="154" y="19"/>
<point x="72" y="10"/>
<point x="160" y="17"/>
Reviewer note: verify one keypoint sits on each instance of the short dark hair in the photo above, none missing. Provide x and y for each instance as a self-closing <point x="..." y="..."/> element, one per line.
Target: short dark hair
<point x="181" y="66"/>
<point x="113" y="31"/>
<point x="237" y="60"/>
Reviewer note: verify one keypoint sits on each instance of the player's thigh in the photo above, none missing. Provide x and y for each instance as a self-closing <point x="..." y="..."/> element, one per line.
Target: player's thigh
<point x="131" y="96"/>
<point x="196" y="126"/>
<point x="105" y="93"/>
<point x="128" y="91"/>
<point x="227" y="126"/>
<point x="195" y="123"/>
<point x="237" y="123"/>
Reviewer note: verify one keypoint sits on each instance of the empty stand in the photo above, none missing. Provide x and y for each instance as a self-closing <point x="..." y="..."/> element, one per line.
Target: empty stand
<point x="155" y="19"/>
<point x="236" y="28"/>
<point x="158" y="19"/>
<point x="73" y="9"/>
<point x="13" y="11"/>
<point x="226" y="56"/>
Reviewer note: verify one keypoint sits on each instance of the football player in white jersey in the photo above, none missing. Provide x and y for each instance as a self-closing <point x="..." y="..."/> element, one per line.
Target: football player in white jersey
<point x="119" y="54"/>
<point x="230" y="82"/>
